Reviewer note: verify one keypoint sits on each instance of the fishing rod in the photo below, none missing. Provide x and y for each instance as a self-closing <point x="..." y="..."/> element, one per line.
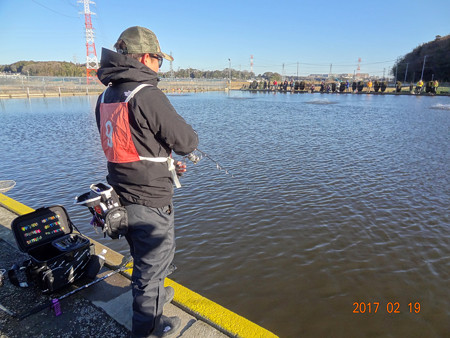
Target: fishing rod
<point x="4" y="309"/>
<point x="198" y="154"/>
<point x="54" y="303"/>
<point x="12" y="314"/>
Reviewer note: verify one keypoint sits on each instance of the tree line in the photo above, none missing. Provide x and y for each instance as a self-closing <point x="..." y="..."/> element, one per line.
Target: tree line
<point x="45" y="68"/>
<point x="208" y="74"/>
<point x="220" y="74"/>
<point x="69" y="69"/>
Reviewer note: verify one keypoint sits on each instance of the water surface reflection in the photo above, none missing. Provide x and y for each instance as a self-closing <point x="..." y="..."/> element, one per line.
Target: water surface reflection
<point x="331" y="204"/>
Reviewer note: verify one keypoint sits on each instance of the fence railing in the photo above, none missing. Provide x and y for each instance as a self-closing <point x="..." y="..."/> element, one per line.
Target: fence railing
<point x="192" y="84"/>
<point x="20" y="85"/>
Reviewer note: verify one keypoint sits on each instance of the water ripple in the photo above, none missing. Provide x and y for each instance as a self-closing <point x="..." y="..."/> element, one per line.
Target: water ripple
<point x="329" y="204"/>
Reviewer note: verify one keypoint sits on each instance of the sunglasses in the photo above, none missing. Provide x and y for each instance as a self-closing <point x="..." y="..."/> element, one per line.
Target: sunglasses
<point x="160" y="59"/>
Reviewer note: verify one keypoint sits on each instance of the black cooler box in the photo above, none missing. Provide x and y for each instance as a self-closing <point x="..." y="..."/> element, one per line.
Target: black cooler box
<point x="58" y="256"/>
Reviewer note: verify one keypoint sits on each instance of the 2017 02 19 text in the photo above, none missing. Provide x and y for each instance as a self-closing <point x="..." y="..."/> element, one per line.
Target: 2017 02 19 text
<point x="389" y="307"/>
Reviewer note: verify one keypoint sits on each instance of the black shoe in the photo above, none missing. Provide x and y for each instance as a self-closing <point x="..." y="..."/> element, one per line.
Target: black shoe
<point x="170" y="293"/>
<point x="167" y="327"/>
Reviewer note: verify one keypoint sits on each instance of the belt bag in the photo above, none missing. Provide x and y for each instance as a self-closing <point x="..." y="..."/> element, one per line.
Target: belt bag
<point x="108" y="213"/>
<point x="116" y="222"/>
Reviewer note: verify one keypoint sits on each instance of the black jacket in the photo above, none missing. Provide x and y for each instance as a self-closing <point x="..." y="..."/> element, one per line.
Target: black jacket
<point x="156" y="130"/>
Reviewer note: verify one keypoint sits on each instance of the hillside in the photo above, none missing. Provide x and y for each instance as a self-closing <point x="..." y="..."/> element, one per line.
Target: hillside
<point x="437" y="62"/>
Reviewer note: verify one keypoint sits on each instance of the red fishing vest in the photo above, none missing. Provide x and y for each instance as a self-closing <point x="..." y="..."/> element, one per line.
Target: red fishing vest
<point x="115" y="131"/>
<point x="115" y="134"/>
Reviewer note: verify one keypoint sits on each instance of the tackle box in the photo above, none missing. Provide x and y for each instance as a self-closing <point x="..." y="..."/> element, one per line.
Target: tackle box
<point x="58" y="256"/>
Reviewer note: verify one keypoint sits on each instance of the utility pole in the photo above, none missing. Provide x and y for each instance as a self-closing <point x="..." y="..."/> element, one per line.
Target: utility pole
<point x="406" y="71"/>
<point x="297" y="70"/>
<point x="359" y="67"/>
<point x="423" y="67"/>
<point x="229" y="74"/>
<point x="396" y="66"/>
<point x="171" y="67"/>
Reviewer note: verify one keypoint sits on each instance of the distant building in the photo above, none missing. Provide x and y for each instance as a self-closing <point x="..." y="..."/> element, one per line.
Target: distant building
<point x="363" y="76"/>
<point x="344" y="76"/>
<point x="319" y="76"/>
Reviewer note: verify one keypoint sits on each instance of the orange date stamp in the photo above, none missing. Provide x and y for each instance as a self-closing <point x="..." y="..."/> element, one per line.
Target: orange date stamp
<point x="389" y="307"/>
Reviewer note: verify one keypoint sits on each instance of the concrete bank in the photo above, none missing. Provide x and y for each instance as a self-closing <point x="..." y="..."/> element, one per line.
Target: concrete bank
<point x="22" y="95"/>
<point x="104" y="309"/>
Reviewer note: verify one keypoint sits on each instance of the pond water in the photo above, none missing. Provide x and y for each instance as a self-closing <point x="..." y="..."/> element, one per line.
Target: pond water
<point x="331" y="202"/>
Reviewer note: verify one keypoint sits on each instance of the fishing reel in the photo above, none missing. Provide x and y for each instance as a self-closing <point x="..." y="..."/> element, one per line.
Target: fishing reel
<point x="194" y="157"/>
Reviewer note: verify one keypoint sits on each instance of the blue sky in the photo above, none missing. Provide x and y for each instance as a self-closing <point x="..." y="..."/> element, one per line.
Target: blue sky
<point x="205" y="34"/>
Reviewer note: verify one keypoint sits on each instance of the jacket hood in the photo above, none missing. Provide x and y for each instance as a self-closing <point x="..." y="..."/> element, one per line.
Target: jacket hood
<point x="118" y="68"/>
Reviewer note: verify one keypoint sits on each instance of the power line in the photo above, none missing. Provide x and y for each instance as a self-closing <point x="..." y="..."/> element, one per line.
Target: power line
<point x="70" y="3"/>
<point x="319" y="65"/>
<point x="52" y="10"/>
<point x="339" y="64"/>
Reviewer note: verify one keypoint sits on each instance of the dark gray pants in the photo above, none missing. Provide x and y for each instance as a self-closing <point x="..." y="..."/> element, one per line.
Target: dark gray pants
<point x="152" y="244"/>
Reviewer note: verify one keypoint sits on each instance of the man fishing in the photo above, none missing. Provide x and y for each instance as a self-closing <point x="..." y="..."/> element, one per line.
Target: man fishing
<point x="139" y="129"/>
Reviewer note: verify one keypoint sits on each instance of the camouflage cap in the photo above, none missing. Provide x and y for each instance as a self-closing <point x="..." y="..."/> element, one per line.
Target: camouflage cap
<point x="142" y="40"/>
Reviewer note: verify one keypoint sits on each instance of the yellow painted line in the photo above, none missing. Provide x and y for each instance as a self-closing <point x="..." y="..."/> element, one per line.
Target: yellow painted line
<point x="214" y="314"/>
<point x="14" y="206"/>
<point x="200" y="307"/>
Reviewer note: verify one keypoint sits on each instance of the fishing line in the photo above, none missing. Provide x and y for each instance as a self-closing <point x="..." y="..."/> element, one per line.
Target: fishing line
<point x="198" y="154"/>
